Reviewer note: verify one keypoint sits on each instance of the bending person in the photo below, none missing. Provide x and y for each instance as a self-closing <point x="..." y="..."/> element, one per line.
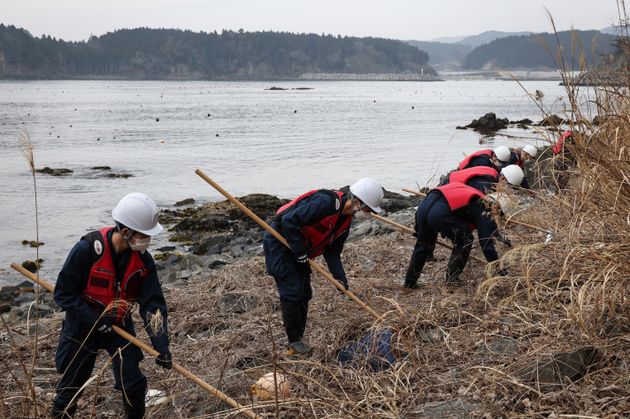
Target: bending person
<point x="105" y="274"/>
<point x="315" y="223"/>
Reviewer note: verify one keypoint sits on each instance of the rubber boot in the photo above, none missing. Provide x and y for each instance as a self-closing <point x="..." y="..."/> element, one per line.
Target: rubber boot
<point x="456" y="264"/>
<point x="292" y="318"/>
<point x="416" y="264"/>
<point x="134" y="407"/>
<point x="63" y="412"/>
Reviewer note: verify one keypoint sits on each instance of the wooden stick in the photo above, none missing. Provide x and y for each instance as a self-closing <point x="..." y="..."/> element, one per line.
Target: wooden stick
<point x="282" y="240"/>
<point x="412" y="231"/>
<point x="148" y="349"/>
<point x="417" y="193"/>
<point x="509" y="220"/>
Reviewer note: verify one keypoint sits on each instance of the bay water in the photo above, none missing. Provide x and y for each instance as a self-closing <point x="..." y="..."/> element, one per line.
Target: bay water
<point x="247" y="138"/>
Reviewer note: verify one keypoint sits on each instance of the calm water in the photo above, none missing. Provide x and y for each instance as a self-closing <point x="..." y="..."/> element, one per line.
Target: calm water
<point x="254" y="140"/>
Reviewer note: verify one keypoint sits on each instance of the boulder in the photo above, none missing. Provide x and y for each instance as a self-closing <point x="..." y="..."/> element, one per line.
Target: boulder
<point x="215" y="261"/>
<point x="187" y="201"/>
<point x="455" y="408"/>
<point x="206" y="222"/>
<point x="560" y="367"/>
<point x="488" y="122"/>
<point x="551" y="120"/>
<point x="54" y="172"/>
<point x="236" y="303"/>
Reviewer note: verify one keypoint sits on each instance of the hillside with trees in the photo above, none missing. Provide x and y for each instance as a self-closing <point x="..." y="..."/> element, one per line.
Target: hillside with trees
<point x="145" y="53"/>
<point x="540" y="51"/>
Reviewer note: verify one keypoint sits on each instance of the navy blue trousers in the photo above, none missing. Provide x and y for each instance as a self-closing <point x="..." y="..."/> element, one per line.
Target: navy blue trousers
<point x="75" y="361"/>
<point x="432" y="217"/>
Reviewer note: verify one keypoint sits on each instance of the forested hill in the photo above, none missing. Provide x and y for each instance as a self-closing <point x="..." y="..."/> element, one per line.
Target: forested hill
<point x="539" y="51"/>
<point x="175" y="54"/>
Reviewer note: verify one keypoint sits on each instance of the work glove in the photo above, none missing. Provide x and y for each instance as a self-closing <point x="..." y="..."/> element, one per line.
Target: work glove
<point x="302" y="264"/>
<point x="164" y="359"/>
<point x="104" y="325"/>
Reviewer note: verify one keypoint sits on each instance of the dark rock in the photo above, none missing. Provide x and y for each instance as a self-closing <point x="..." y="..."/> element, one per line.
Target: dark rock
<point x="166" y="249"/>
<point x="187" y="201"/>
<point x="456" y="408"/>
<point x="170" y="261"/>
<point x="211" y="246"/>
<point x="215" y="261"/>
<point x="119" y="175"/>
<point x="32" y="243"/>
<point x="393" y="202"/>
<point x="525" y="121"/>
<point x="31" y="266"/>
<point x="551" y="120"/>
<point x="101" y="168"/>
<point x="208" y="222"/>
<point x="24" y="297"/>
<point x="488" y="122"/>
<point x="54" y="172"/>
<point x="276" y="88"/>
<point x="237" y="303"/>
<point x="560" y="367"/>
<point x="502" y="345"/>
<point x="10" y="292"/>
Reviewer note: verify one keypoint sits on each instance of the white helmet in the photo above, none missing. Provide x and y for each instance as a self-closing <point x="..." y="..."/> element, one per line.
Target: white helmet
<point x="138" y="212"/>
<point x="513" y="174"/>
<point x="369" y="192"/>
<point x="502" y="153"/>
<point x="531" y="150"/>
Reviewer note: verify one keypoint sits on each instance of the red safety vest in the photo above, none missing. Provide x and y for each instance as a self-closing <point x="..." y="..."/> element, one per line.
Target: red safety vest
<point x="322" y="233"/>
<point x="559" y="145"/>
<point x="103" y="289"/>
<point x="463" y="176"/>
<point x="459" y="195"/>
<point x="464" y="163"/>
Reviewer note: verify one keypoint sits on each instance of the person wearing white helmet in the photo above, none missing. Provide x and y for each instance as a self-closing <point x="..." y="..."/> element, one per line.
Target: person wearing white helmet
<point x="104" y="275"/>
<point x="315" y="223"/>
<point x="513" y="174"/>
<point x="528" y="152"/>
<point x="453" y="210"/>
<point x="494" y="158"/>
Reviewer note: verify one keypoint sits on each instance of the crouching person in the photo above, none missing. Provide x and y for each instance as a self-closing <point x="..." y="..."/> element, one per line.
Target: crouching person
<point x="454" y="210"/>
<point x="105" y="274"/>
<point x="315" y="223"/>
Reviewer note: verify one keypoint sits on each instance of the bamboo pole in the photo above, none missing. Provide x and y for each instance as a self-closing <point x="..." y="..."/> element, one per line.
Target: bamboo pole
<point x="417" y="193"/>
<point x="282" y="240"/>
<point x="508" y="221"/>
<point x="412" y="231"/>
<point x="148" y="349"/>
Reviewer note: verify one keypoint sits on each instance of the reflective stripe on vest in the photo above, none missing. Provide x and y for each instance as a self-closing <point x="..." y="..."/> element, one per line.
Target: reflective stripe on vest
<point x="458" y="195"/>
<point x="322" y="233"/>
<point x="464" y="163"/>
<point x="103" y="288"/>
<point x="463" y="176"/>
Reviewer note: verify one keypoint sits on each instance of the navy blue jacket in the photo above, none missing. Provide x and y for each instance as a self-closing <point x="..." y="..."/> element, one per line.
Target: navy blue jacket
<point x="307" y="212"/>
<point x="481" y="160"/>
<point x="72" y="280"/>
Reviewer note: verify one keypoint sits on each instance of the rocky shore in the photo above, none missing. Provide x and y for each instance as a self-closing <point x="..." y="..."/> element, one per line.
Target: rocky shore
<point x="204" y="237"/>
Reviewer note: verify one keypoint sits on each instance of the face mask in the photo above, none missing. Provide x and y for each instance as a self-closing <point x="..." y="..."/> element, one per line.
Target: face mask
<point x="139" y="245"/>
<point x="361" y="215"/>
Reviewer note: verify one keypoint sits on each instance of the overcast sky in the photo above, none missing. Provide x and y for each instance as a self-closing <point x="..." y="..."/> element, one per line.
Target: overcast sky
<point x="400" y="19"/>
